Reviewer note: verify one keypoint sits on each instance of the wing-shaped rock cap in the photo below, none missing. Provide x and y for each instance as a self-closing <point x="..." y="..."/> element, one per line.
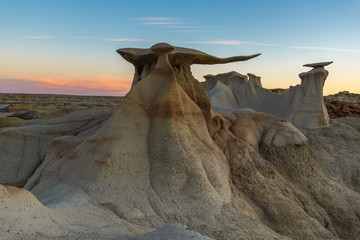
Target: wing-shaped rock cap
<point x="179" y="55"/>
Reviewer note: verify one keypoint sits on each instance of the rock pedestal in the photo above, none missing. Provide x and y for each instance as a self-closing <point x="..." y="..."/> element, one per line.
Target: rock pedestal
<point x="312" y="112"/>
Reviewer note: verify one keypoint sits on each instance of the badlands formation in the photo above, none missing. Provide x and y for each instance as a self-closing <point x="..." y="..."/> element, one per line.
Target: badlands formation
<point x="173" y="163"/>
<point x="302" y="105"/>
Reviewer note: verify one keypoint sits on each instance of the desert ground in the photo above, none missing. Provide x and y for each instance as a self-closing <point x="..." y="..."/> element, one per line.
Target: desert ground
<point x="15" y="109"/>
<point x="18" y="108"/>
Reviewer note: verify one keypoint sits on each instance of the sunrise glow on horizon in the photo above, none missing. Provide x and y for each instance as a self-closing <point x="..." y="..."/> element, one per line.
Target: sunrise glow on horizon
<point x="69" y="47"/>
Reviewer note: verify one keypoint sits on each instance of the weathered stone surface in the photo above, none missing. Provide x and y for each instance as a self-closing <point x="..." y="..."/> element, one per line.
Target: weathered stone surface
<point x="302" y="105"/>
<point x="338" y="109"/>
<point x="24" y="148"/>
<point x="172" y="231"/>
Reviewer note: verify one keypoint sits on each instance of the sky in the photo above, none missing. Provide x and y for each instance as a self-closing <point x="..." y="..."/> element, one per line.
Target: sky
<point x="69" y="46"/>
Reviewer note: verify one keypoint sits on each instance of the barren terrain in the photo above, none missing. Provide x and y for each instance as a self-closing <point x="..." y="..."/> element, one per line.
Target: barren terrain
<point x="17" y="108"/>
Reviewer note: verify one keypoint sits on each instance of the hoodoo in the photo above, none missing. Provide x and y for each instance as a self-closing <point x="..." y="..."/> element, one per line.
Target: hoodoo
<point x="180" y="59"/>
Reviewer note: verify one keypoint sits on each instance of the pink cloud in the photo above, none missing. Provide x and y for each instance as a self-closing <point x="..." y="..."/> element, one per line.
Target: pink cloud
<point x="73" y="85"/>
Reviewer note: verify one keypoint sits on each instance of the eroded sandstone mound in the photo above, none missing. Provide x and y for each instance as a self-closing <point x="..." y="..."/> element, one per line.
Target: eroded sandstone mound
<point x="165" y="157"/>
<point x="302" y="105"/>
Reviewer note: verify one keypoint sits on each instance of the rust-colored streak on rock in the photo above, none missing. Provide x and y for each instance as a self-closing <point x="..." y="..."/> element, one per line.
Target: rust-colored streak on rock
<point x="167" y="109"/>
<point x="102" y="162"/>
<point x="13" y="190"/>
<point x="193" y="89"/>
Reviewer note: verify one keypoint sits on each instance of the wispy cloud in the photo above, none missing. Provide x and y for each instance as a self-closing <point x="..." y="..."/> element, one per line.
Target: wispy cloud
<point x="229" y="42"/>
<point x="67" y="84"/>
<point x="177" y="26"/>
<point x="38" y="37"/>
<point x="159" y="21"/>
<point x="88" y="38"/>
<point x="327" y="49"/>
<point x="125" y="39"/>
<point x="234" y="43"/>
<point x="195" y="31"/>
<point x="57" y="37"/>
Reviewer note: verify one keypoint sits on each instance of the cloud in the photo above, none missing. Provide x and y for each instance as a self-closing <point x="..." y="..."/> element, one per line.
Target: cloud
<point x="327" y="49"/>
<point x="177" y="26"/>
<point x="37" y="37"/>
<point x="161" y="23"/>
<point x="89" y="38"/>
<point x="55" y="37"/>
<point x="124" y="39"/>
<point x="235" y="43"/>
<point x="159" y="20"/>
<point x="195" y="30"/>
<point x="229" y="42"/>
<point x="68" y="84"/>
<point x="176" y="23"/>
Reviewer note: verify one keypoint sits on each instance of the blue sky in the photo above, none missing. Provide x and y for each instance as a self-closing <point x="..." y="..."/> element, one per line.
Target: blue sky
<point x="62" y="46"/>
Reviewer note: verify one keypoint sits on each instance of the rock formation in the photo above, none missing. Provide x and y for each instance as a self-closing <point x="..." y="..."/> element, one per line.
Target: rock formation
<point x="338" y="109"/>
<point x="180" y="59"/>
<point x="343" y="104"/>
<point x="302" y="105"/>
<point x="163" y="157"/>
<point x="24" y="148"/>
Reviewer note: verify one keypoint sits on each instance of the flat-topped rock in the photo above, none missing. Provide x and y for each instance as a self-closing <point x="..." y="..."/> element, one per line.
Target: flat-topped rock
<point x="318" y="65"/>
